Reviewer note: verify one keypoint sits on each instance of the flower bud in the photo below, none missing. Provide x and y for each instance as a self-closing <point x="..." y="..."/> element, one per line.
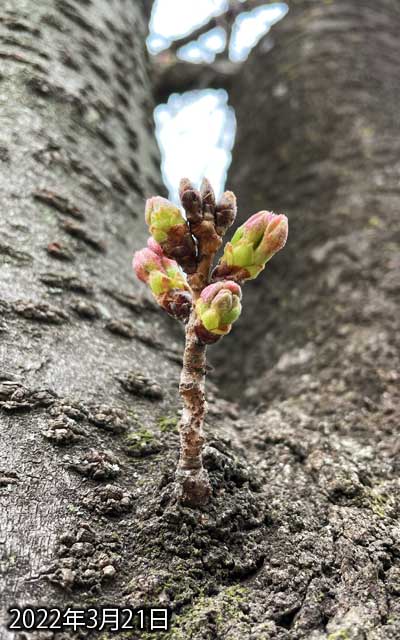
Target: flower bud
<point x="161" y="215"/>
<point x="170" y="230"/>
<point x="226" y="212"/>
<point x="217" y="308"/>
<point x="177" y="303"/>
<point x="165" y="279"/>
<point x="191" y="201"/>
<point x="154" y="246"/>
<point x="208" y="197"/>
<point x="200" y="210"/>
<point x="145" y="262"/>
<point x="252" y="245"/>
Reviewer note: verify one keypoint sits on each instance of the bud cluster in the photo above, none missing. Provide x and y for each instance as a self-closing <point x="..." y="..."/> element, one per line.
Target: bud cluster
<point x="177" y="266"/>
<point x="208" y="219"/>
<point x="177" y="261"/>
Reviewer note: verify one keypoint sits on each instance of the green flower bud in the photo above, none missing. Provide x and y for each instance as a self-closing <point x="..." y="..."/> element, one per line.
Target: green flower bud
<point x="217" y="308"/>
<point x="253" y="244"/>
<point x="171" y="277"/>
<point x="160" y="216"/>
<point x="169" y="228"/>
<point x="165" y="279"/>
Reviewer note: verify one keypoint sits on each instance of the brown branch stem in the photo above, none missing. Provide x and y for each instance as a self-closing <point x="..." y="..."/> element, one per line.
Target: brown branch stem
<point x="193" y="485"/>
<point x="192" y="479"/>
<point x="177" y="76"/>
<point x="224" y="20"/>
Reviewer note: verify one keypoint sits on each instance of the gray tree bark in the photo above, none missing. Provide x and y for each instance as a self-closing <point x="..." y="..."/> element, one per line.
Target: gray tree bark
<point x="318" y="345"/>
<point x="301" y="538"/>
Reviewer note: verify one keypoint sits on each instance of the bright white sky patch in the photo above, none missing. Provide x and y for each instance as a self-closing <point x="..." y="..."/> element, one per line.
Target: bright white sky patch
<point x="196" y="130"/>
<point x="205" y="48"/>
<point x="173" y="18"/>
<point x="250" y="26"/>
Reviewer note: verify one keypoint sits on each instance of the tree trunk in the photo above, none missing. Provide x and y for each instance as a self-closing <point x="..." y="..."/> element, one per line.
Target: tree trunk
<point x="316" y="350"/>
<point x="300" y="538"/>
<point x="89" y="401"/>
<point x="86" y="366"/>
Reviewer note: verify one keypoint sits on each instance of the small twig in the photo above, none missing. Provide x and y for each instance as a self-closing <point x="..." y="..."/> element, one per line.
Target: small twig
<point x="193" y="485"/>
<point x="208" y="302"/>
<point x="225" y="20"/>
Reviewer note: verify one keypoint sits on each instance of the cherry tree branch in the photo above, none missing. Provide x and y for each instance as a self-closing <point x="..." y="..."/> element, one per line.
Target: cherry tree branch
<point x="172" y="75"/>
<point x="224" y="20"/>
<point x="180" y="76"/>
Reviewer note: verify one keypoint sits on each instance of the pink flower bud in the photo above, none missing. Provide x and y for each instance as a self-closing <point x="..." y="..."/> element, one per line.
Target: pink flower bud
<point x="144" y="262"/>
<point x="154" y="246"/>
<point x="209" y="293"/>
<point x="165" y="279"/>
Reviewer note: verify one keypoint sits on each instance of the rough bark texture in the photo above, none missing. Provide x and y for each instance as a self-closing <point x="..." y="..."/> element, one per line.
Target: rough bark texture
<point x="317" y="344"/>
<point x="82" y="356"/>
<point x="303" y="542"/>
<point x="89" y="400"/>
